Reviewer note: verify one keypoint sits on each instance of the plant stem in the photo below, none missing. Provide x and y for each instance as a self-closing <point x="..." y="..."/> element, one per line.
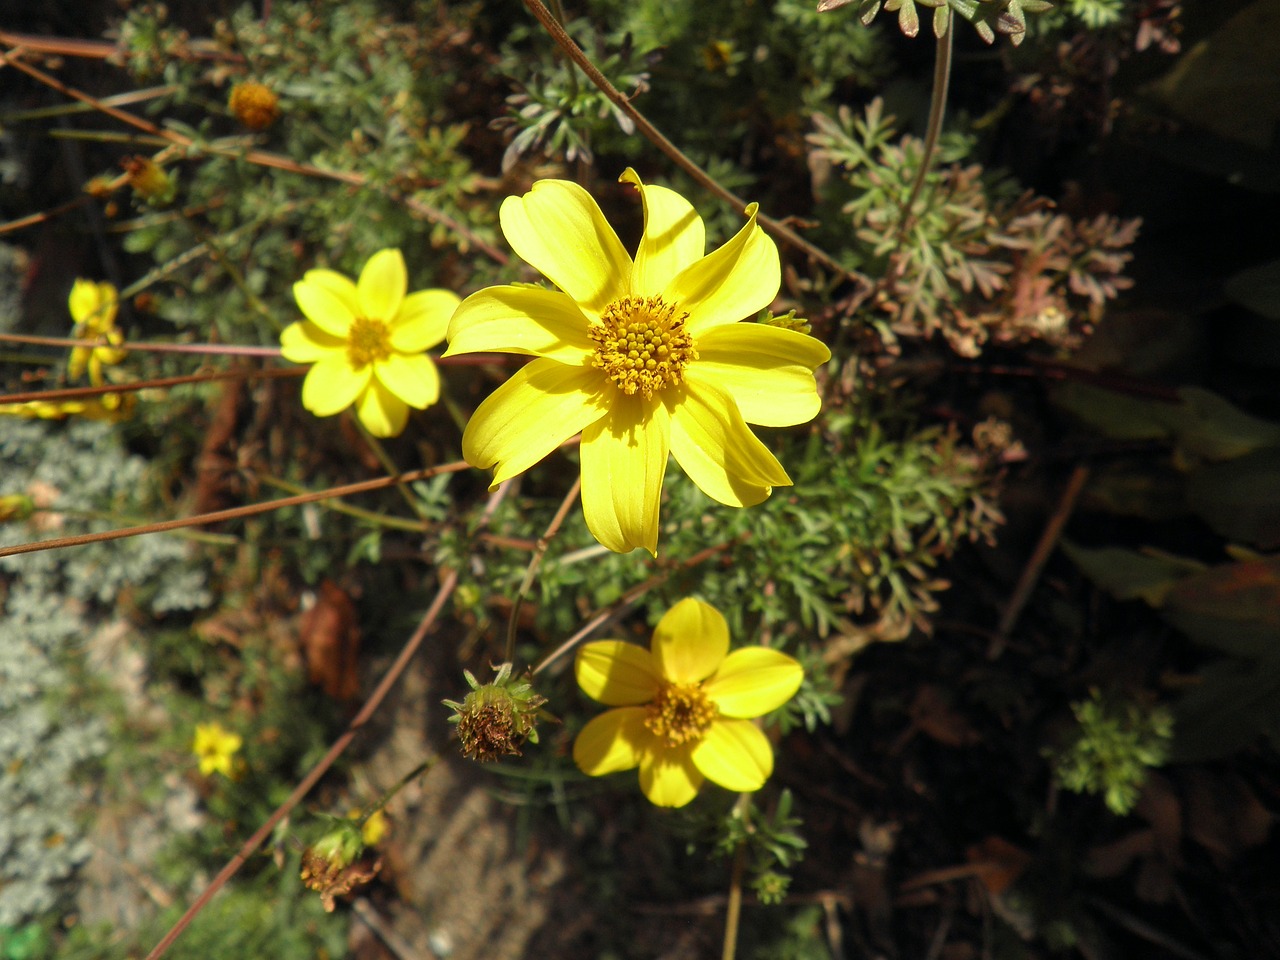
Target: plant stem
<point x="535" y="562"/>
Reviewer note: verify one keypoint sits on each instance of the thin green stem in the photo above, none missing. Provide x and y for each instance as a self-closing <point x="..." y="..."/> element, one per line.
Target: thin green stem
<point x="535" y="562"/>
<point x="337" y="506"/>
<point x="389" y="465"/>
<point x="937" y="113"/>
<point x="605" y="614"/>
<point x="372" y="808"/>
<point x="733" y="911"/>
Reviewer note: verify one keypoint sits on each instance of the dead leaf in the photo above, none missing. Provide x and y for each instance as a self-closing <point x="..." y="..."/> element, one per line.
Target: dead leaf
<point x="330" y="638"/>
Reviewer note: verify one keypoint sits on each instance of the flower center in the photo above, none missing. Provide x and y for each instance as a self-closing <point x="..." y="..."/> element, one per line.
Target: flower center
<point x="679" y="713"/>
<point x="642" y="345"/>
<point x="367" y="341"/>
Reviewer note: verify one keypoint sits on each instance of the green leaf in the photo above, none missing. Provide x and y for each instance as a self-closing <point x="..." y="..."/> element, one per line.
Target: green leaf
<point x="1238" y="498"/>
<point x="1130" y="575"/>
<point x="1258" y="288"/>
<point x="1235" y="702"/>
<point x="1233" y="607"/>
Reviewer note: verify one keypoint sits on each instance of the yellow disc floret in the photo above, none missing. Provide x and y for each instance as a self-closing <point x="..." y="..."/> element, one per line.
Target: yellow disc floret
<point x="679" y="713"/>
<point x="641" y="344"/>
<point x="368" y="340"/>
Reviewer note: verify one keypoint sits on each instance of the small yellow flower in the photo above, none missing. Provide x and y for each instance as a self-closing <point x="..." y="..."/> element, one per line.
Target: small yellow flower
<point x="215" y="747"/>
<point x="374" y="829"/>
<point x="110" y="408"/>
<point x="93" y="307"/>
<point x="254" y="104"/>
<point x="366" y="341"/>
<point x="683" y="707"/>
<point x="646" y="358"/>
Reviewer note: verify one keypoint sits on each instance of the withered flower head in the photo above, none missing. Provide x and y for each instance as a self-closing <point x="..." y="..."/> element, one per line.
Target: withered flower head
<point x="496" y="718"/>
<point x="255" y="105"/>
<point x="333" y="866"/>
<point x="148" y="179"/>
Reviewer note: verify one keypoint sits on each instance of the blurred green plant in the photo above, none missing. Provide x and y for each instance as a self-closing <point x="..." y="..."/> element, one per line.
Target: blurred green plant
<point x="1118" y="742"/>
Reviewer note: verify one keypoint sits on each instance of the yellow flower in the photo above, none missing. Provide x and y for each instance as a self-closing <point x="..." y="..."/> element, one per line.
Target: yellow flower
<point x="93" y="307"/>
<point x="684" y="706"/>
<point x="366" y="341"/>
<point x="374" y="829"/>
<point x="645" y="358"/>
<point x="215" y="747"/>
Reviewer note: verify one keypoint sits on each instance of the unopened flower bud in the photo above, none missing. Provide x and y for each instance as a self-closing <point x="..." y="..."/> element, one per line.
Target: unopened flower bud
<point x="16" y="506"/>
<point x="254" y="105"/>
<point x="149" y="180"/>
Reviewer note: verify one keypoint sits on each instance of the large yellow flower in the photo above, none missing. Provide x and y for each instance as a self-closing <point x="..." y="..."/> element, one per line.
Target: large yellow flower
<point x="684" y="706"/>
<point x="366" y="341"/>
<point x="645" y="358"/>
<point x="93" y="307"/>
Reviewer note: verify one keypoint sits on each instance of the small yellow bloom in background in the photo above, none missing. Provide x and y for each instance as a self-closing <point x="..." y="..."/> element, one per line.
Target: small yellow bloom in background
<point x="254" y="104"/>
<point x="215" y="747"/>
<point x="93" y="307"/>
<point x="683" y="707"/>
<point x="374" y="829"/>
<point x="366" y="341"/>
<point x="646" y="358"/>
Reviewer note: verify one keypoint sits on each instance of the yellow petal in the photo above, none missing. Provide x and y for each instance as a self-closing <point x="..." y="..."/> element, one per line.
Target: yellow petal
<point x="690" y="641"/>
<point x="716" y="448"/>
<point x="768" y="371"/>
<point x="739" y="279"/>
<point x="735" y="755"/>
<point x="753" y="681"/>
<point x="674" y="237"/>
<point x="337" y="284"/>
<point x="410" y="376"/>
<point x="382" y="284"/>
<point x="616" y="673"/>
<point x="611" y="742"/>
<point x="77" y="361"/>
<point x="527" y="320"/>
<point x="624" y="458"/>
<point x="540" y="407"/>
<point x="423" y="320"/>
<point x="326" y="309"/>
<point x="93" y="304"/>
<point x="558" y="229"/>
<point x="304" y="342"/>
<point x="668" y="776"/>
<point x="332" y="385"/>
<point x="381" y="411"/>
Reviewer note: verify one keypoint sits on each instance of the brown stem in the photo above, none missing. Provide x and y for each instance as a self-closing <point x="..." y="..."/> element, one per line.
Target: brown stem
<point x="658" y="139"/>
<point x="235" y="513"/>
<point x="313" y="776"/>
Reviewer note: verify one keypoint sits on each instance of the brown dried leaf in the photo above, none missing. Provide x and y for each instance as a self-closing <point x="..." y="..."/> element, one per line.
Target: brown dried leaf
<point x="330" y="639"/>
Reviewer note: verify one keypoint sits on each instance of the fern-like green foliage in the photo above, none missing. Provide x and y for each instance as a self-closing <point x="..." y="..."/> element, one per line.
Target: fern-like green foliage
<point x="989" y="17"/>
<point x="1118" y="743"/>
<point x="975" y="259"/>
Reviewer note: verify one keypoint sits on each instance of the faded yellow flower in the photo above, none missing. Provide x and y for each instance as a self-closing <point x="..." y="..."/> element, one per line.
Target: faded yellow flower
<point x="366" y="341"/>
<point x="254" y="104"/>
<point x="646" y="358"/>
<point x="215" y="747"/>
<point x="683" y="707"/>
